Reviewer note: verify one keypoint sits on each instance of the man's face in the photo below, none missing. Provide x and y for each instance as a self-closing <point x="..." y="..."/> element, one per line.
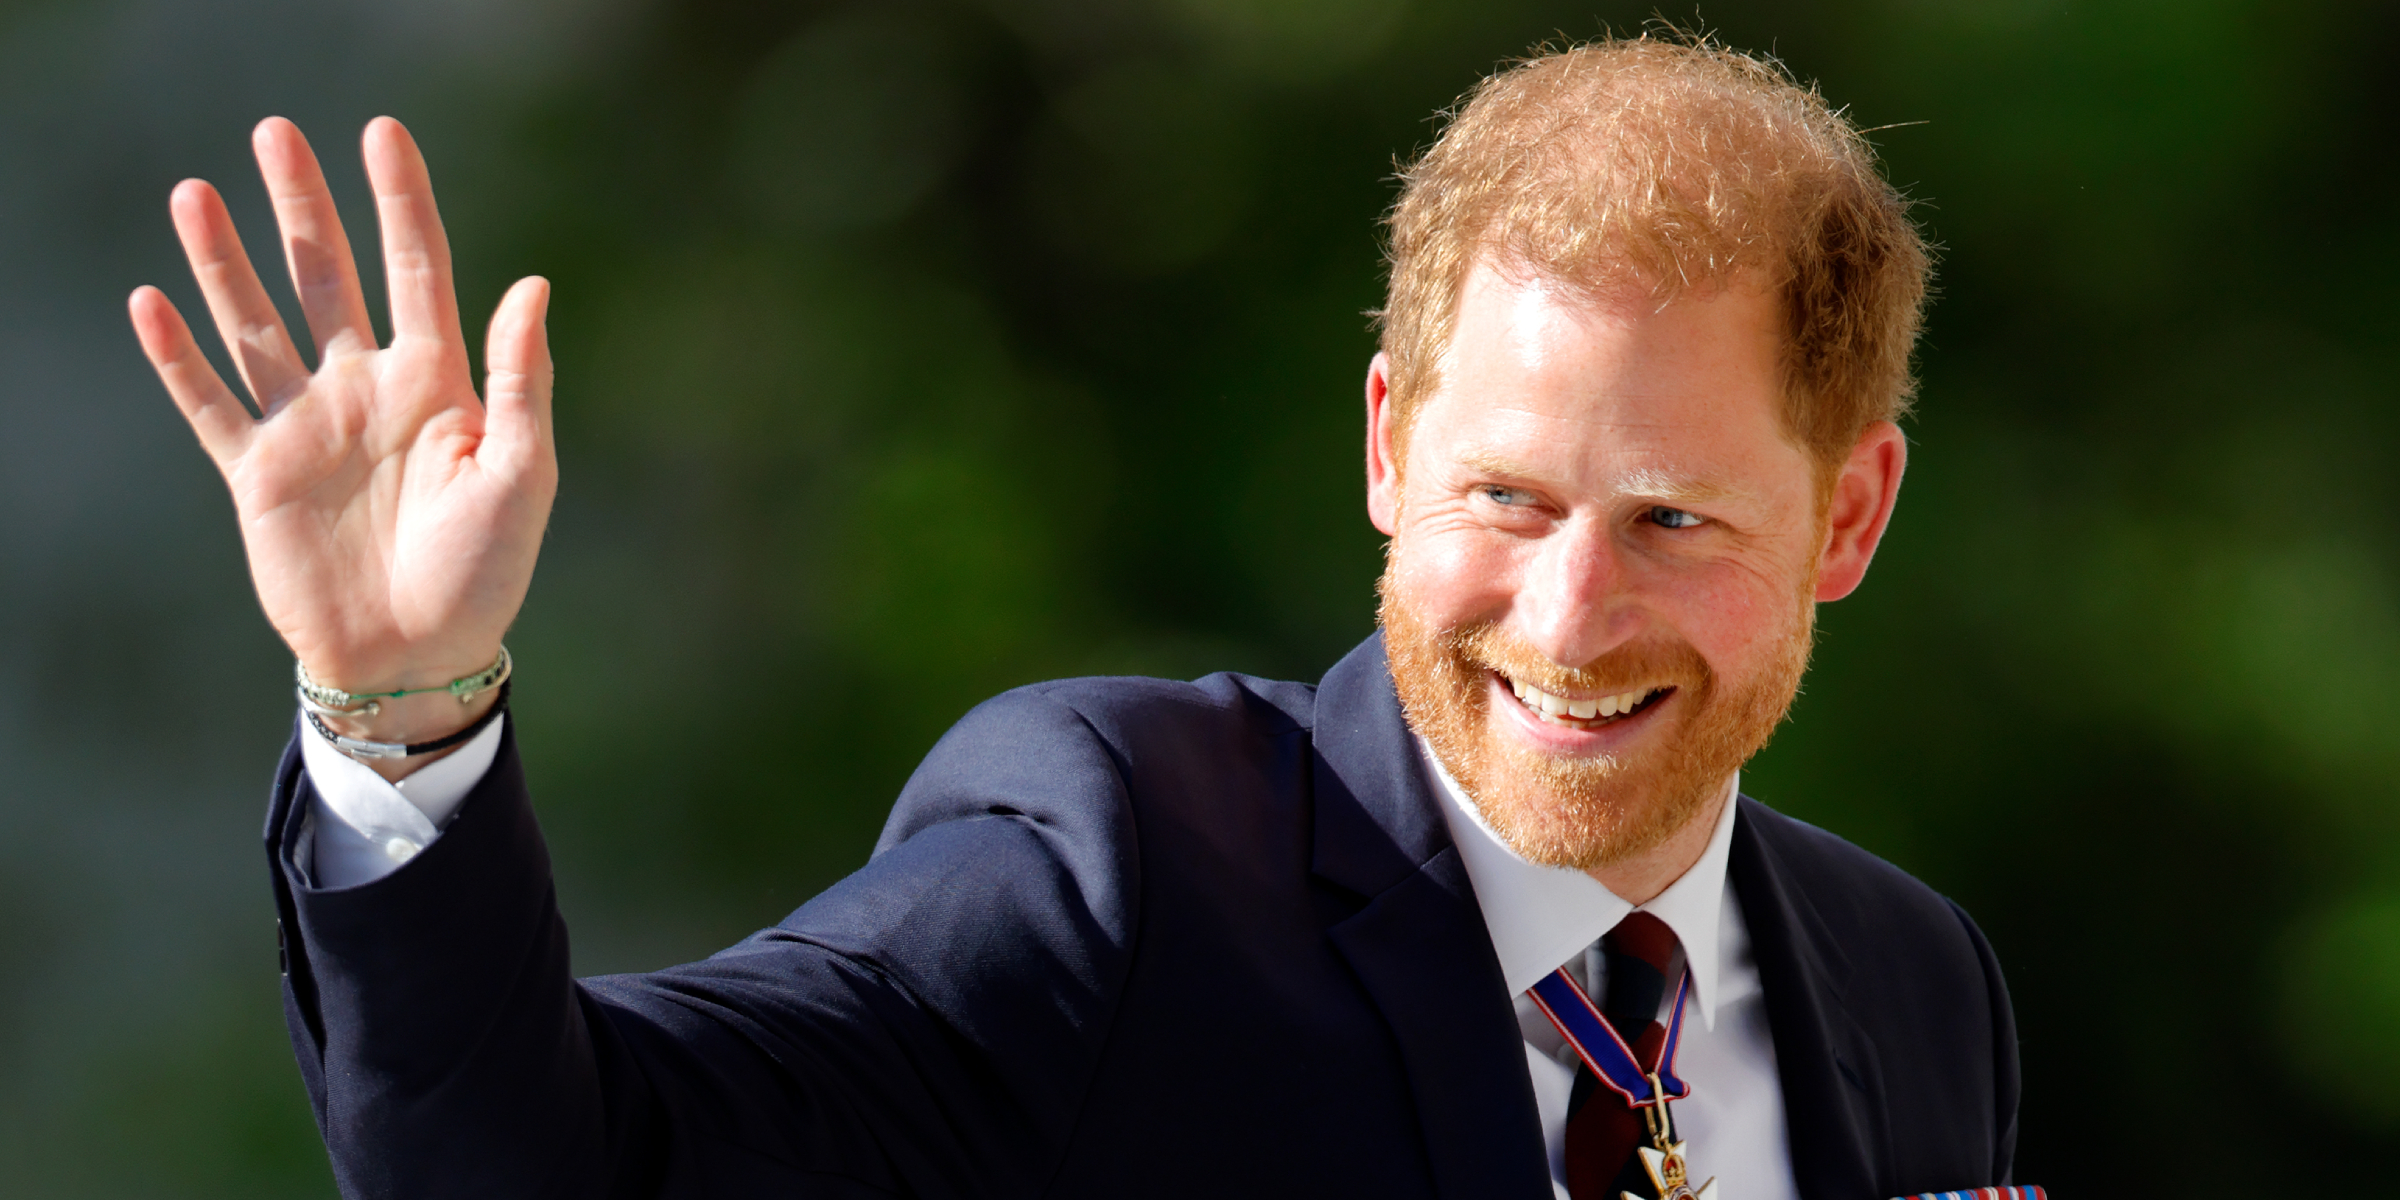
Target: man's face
<point x="1604" y="559"/>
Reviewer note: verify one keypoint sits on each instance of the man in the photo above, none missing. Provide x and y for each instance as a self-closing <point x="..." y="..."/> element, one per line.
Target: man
<point x="1481" y="914"/>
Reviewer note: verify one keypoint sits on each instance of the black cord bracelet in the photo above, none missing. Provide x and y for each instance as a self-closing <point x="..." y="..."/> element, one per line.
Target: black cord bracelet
<point x="362" y="748"/>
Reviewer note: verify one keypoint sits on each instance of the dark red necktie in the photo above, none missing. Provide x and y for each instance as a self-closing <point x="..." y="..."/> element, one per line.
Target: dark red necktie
<point x="1602" y="1129"/>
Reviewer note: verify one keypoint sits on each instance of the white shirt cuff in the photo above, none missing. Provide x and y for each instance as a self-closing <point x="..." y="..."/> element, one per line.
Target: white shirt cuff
<point x="362" y="827"/>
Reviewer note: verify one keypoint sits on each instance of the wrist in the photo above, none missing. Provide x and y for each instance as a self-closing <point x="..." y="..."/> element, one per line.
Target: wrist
<point x="409" y="719"/>
<point x="397" y="730"/>
<point x="327" y="700"/>
<point x="347" y="679"/>
<point x="396" y="760"/>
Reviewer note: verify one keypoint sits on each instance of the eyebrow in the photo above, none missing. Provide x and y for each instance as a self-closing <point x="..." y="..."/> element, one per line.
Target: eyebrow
<point x="1658" y="485"/>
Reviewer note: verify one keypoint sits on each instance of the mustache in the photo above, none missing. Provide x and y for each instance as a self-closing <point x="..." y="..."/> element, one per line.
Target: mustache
<point x="1649" y="663"/>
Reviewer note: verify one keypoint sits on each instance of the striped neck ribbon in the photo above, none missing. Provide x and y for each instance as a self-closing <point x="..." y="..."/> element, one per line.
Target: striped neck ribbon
<point x="1596" y="1041"/>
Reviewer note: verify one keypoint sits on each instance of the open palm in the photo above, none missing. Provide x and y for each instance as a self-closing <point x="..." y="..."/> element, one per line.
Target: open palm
<point x="391" y="517"/>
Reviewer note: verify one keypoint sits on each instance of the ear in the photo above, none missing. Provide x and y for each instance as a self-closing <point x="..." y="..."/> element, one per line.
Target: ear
<point x="1383" y="470"/>
<point x="1861" y="507"/>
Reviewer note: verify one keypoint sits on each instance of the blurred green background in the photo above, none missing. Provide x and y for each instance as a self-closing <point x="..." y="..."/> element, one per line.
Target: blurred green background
<point x="909" y="351"/>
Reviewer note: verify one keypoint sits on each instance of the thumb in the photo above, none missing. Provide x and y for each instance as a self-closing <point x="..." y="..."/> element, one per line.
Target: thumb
<point x="517" y="392"/>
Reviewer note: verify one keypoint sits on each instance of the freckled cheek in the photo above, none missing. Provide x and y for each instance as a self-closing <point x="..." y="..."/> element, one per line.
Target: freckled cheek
<point x="1726" y="613"/>
<point x="1457" y="577"/>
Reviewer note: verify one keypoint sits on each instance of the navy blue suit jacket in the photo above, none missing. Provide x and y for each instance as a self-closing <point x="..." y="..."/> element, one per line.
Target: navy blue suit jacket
<point x="1121" y="937"/>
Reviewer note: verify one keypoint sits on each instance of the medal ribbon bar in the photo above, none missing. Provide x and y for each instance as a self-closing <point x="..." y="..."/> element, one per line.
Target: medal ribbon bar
<point x="1985" y="1193"/>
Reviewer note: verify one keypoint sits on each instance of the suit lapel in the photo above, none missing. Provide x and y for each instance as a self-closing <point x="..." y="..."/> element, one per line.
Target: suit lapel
<point x="1420" y="946"/>
<point x="1832" y="1079"/>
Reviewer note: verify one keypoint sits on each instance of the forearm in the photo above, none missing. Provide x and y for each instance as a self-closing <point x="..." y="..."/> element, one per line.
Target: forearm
<point x="436" y="1013"/>
<point x="448" y="1051"/>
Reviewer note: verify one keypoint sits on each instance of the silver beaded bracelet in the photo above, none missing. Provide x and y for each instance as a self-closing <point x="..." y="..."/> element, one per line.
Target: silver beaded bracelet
<point x="324" y="701"/>
<point x="362" y="748"/>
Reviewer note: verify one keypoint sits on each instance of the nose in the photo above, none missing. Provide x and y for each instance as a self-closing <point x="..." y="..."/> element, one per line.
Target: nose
<point x="1572" y="602"/>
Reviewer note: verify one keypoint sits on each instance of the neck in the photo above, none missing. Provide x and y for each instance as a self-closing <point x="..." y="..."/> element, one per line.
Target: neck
<point x="1640" y="878"/>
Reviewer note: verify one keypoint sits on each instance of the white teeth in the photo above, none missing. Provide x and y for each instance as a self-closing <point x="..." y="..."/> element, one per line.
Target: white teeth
<point x="1559" y="707"/>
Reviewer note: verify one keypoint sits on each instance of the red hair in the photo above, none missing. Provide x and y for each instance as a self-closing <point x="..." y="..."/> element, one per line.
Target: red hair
<point x="1664" y="164"/>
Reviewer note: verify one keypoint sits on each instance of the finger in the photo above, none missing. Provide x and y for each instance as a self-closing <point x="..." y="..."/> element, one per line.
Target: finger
<point x="216" y="414"/>
<point x="416" y="255"/>
<point x="517" y="394"/>
<point x="246" y="319"/>
<point x="314" y="246"/>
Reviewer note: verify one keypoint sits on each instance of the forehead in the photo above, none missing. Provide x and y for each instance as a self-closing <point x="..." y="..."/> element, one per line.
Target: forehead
<point x="1548" y="378"/>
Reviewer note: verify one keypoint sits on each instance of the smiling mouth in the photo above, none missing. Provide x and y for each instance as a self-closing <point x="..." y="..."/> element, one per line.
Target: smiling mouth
<point x="1589" y="713"/>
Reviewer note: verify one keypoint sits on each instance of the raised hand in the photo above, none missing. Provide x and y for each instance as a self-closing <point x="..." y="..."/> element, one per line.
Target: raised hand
<point x="391" y="517"/>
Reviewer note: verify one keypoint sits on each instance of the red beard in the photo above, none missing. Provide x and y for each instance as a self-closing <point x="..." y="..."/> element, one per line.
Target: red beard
<point x="1595" y="811"/>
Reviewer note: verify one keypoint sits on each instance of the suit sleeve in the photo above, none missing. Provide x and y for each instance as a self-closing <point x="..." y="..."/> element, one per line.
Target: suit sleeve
<point x="928" y="1026"/>
<point x="364" y="826"/>
<point x="2005" y="1079"/>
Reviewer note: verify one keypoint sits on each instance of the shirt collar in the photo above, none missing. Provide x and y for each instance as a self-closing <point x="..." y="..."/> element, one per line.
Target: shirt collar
<point x="1539" y="917"/>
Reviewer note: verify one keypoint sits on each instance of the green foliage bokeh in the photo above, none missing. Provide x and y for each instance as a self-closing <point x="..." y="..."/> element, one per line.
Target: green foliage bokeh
<point x="912" y="350"/>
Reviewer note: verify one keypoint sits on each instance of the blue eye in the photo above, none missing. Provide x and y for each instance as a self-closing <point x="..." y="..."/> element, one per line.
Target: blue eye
<point x="1508" y="496"/>
<point x="1673" y="518"/>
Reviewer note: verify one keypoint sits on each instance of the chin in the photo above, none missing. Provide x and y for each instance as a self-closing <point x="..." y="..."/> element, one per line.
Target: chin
<point x="1582" y="812"/>
<point x="1567" y="789"/>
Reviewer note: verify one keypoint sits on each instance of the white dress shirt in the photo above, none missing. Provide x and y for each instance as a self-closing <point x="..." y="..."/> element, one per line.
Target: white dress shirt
<point x="361" y="827"/>
<point x="1542" y="918"/>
